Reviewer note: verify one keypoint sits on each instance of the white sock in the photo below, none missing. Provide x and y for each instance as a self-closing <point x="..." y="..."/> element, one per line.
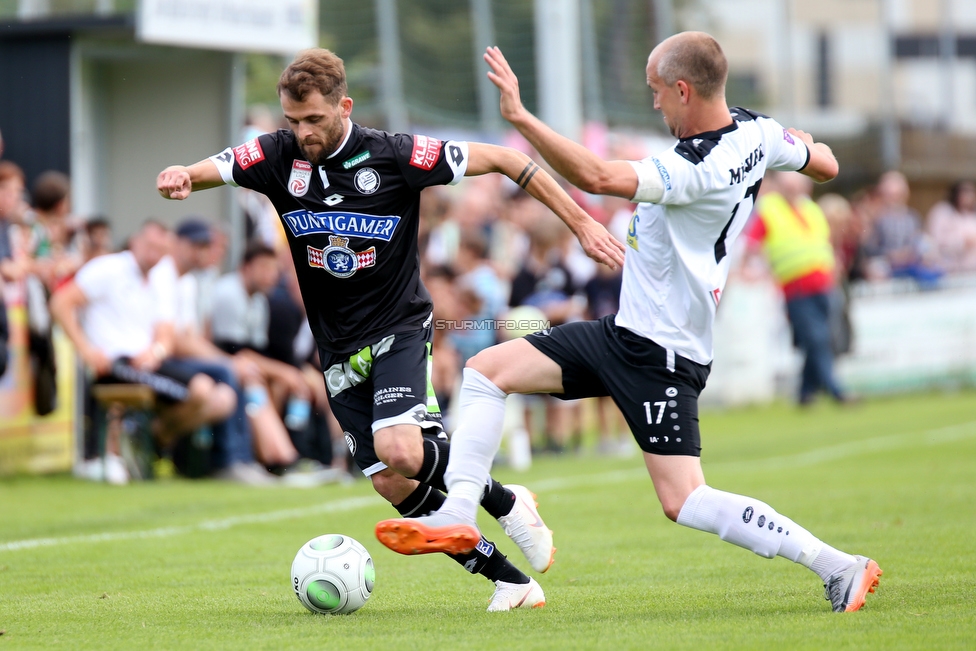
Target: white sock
<point x="755" y="526"/>
<point x="481" y="414"/>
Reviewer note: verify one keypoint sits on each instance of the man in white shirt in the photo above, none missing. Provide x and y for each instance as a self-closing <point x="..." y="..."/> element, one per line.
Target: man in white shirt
<point x="652" y="358"/>
<point x="119" y="311"/>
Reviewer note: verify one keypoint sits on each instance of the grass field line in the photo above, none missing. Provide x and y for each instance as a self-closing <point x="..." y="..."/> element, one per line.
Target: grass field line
<point x="337" y="506"/>
<point x="937" y="436"/>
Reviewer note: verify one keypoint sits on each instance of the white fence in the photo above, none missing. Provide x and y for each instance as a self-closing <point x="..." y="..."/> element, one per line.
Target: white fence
<point x="904" y="340"/>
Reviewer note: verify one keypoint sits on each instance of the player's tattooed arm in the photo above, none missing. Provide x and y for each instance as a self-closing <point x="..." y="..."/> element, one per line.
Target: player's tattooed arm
<point x="178" y="181"/>
<point x="527" y="173"/>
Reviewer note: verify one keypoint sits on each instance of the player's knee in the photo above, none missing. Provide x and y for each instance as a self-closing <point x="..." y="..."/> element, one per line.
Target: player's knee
<point x="490" y="365"/>
<point x="671" y="509"/>
<point x="391" y="486"/>
<point x="401" y="448"/>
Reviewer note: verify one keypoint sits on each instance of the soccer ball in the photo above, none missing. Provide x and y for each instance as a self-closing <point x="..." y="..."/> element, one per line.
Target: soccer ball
<point x="333" y="574"/>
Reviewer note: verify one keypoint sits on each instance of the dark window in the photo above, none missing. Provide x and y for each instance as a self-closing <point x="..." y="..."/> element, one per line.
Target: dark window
<point x="916" y="46"/>
<point x="824" y="98"/>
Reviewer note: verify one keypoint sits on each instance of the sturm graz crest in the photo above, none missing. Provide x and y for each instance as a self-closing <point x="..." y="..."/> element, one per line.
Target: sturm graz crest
<point x="338" y="259"/>
<point x="367" y="180"/>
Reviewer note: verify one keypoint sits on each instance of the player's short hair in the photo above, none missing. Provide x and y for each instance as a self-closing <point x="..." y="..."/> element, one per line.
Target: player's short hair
<point x="10" y="170"/>
<point x="50" y="189"/>
<point x="699" y="61"/>
<point x="257" y="250"/>
<point x="314" y="69"/>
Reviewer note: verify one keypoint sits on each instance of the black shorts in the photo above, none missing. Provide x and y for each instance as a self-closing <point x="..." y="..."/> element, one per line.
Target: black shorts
<point x="656" y="389"/>
<point x="387" y="383"/>
<point x="168" y="382"/>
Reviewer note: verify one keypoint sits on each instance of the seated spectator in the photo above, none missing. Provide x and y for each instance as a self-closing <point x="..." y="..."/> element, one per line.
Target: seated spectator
<point x="481" y="289"/>
<point x="98" y="238"/>
<point x="14" y="263"/>
<point x="50" y="238"/>
<point x="897" y="239"/>
<point x="240" y="322"/>
<point x="952" y="226"/>
<point x="121" y="323"/>
<point x="191" y="251"/>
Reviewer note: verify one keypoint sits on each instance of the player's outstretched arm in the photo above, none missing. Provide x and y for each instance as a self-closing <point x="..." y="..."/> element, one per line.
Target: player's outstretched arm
<point x="822" y="165"/>
<point x="178" y="181"/>
<point x="598" y="243"/>
<point x="572" y="161"/>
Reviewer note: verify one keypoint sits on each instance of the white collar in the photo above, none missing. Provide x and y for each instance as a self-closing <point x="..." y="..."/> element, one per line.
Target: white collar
<point x="344" y="140"/>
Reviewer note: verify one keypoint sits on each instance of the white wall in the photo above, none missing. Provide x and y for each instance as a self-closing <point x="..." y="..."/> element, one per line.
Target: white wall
<point x="137" y="109"/>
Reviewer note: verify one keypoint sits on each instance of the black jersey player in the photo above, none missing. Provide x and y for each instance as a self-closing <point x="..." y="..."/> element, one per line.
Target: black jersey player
<point x="348" y="197"/>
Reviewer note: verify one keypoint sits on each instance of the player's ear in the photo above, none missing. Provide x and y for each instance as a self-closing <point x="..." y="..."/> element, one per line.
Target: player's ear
<point x="345" y="106"/>
<point x="684" y="91"/>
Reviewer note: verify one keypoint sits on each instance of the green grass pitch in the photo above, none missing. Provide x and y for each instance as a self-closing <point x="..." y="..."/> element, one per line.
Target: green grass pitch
<point x="197" y="565"/>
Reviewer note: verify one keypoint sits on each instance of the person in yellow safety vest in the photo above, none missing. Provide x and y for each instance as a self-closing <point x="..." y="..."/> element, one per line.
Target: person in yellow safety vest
<point x="795" y="237"/>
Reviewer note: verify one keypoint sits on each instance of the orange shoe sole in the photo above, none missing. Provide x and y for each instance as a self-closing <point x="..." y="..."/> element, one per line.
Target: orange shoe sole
<point x="872" y="575"/>
<point x="411" y="537"/>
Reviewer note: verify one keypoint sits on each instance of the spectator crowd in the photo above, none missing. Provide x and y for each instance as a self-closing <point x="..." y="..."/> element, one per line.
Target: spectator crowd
<point x="232" y="364"/>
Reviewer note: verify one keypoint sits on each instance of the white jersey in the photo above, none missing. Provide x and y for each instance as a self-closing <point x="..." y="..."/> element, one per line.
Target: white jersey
<point x="676" y="263"/>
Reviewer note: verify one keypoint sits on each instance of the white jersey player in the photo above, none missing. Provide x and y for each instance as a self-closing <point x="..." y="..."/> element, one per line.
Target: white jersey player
<point x="652" y="358"/>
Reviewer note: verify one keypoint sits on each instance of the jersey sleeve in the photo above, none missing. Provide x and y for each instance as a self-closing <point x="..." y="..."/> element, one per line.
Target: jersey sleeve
<point x="249" y="165"/>
<point x="684" y="182"/>
<point x="426" y="161"/>
<point x="786" y="153"/>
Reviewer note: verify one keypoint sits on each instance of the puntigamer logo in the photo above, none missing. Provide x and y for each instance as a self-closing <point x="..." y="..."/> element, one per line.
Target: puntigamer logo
<point x="350" y="224"/>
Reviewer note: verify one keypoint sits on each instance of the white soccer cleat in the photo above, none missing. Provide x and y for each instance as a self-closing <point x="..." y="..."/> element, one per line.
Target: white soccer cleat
<point x="509" y="596"/>
<point x="525" y="527"/>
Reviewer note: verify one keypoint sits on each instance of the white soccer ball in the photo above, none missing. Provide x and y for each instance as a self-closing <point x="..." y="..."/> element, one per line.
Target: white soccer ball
<point x="333" y="574"/>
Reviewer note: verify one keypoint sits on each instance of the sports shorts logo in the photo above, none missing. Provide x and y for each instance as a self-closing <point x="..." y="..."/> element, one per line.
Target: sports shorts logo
<point x="301" y="174"/>
<point x="367" y="180"/>
<point x="249" y="153"/>
<point x="338" y="259"/>
<point x="350" y="443"/>
<point x="425" y="152"/>
<point x="747" y="514"/>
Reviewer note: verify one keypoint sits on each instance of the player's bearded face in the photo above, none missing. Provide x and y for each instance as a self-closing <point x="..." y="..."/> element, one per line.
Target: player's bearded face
<point x="319" y="126"/>
<point x="323" y="141"/>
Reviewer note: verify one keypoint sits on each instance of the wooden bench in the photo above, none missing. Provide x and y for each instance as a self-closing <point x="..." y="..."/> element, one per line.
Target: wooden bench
<point x="129" y="407"/>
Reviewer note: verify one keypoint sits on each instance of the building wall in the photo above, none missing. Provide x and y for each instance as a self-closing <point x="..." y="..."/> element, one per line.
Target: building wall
<point x="778" y="42"/>
<point x="138" y="110"/>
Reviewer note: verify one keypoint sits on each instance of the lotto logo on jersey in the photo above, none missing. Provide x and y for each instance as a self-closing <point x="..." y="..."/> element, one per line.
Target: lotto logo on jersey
<point x="716" y="296"/>
<point x="425" y="152"/>
<point x="248" y="154"/>
<point x="301" y="174"/>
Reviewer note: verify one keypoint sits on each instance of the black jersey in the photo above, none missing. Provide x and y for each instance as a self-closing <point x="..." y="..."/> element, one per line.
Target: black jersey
<point x="352" y="225"/>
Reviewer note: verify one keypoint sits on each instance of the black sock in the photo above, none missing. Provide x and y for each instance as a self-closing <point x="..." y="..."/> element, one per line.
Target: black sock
<point x="436" y="454"/>
<point x="497" y="500"/>
<point x="483" y="559"/>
